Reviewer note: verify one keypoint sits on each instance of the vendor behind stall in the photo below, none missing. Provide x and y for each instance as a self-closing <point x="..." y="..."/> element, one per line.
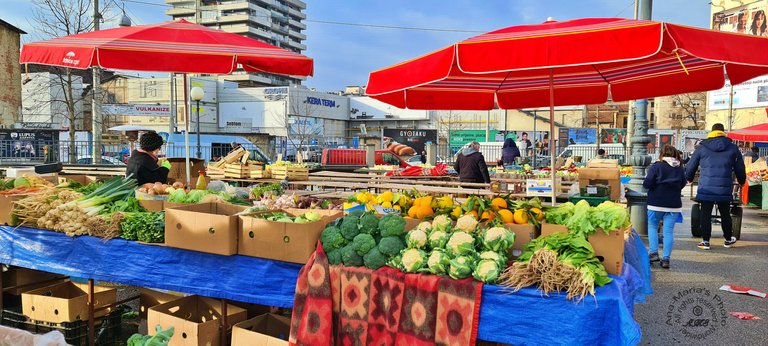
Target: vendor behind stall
<point x="143" y="165"/>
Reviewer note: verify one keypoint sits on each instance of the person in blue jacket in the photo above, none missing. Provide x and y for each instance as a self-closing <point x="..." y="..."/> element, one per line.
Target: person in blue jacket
<point x="664" y="181"/>
<point x="718" y="159"/>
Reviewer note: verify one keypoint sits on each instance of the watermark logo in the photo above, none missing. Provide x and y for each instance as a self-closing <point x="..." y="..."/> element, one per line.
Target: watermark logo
<point x="696" y="313"/>
<point x="69" y="58"/>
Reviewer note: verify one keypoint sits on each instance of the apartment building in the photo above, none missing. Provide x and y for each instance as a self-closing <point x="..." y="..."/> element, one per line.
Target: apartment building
<point x="277" y="22"/>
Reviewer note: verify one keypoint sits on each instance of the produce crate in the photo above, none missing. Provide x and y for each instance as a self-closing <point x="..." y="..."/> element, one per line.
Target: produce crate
<point x="215" y="173"/>
<point x="262" y="174"/>
<point x="290" y="173"/>
<point x="108" y="329"/>
<point x="237" y="171"/>
<point x="593" y="201"/>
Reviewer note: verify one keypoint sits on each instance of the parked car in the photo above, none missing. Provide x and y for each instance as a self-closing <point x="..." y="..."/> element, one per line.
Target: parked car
<point x="415" y="160"/>
<point x="352" y="159"/>
<point x="105" y="160"/>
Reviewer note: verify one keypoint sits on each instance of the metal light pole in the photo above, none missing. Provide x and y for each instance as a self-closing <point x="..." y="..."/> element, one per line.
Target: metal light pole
<point x="197" y="94"/>
<point x="637" y="195"/>
<point x="597" y="128"/>
<point x="96" y="97"/>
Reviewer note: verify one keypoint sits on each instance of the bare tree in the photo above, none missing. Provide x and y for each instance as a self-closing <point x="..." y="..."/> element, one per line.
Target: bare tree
<point x="447" y="123"/>
<point x="301" y="123"/>
<point x="56" y="18"/>
<point x="687" y="111"/>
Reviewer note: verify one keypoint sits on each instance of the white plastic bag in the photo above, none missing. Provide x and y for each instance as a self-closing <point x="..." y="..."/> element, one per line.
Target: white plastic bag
<point x="16" y="337"/>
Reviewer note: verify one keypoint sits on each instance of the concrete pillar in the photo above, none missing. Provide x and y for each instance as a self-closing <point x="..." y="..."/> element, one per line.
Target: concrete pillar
<point x="370" y="155"/>
<point x="431" y="154"/>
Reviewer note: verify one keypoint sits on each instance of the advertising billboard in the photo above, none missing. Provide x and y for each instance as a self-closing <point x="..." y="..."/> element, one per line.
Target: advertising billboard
<point x="613" y="136"/>
<point x="19" y="143"/>
<point x="416" y="139"/>
<point x="582" y="136"/>
<point x="747" y="19"/>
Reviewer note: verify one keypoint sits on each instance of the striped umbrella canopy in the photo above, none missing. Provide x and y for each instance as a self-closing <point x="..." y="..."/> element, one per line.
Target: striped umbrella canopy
<point x="585" y="61"/>
<point x="174" y="46"/>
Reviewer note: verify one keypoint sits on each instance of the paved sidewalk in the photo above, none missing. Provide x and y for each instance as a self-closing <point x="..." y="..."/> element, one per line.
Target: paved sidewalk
<point x="685" y="307"/>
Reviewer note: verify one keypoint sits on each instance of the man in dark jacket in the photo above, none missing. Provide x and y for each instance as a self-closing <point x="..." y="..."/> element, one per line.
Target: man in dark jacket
<point x="509" y="152"/>
<point x="470" y="164"/>
<point x="143" y="163"/>
<point x="719" y="159"/>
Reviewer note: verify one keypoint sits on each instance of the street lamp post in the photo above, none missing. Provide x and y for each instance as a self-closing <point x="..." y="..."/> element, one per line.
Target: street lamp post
<point x="197" y="94"/>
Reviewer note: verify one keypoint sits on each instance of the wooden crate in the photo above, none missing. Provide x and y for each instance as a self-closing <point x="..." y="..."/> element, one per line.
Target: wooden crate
<point x="290" y="173"/>
<point x="215" y="173"/>
<point x="237" y="171"/>
<point x="261" y="174"/>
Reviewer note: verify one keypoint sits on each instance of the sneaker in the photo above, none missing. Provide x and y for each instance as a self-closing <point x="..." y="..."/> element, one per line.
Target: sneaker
<point x="728" y="243"/>
<point x="654" y="257"/>
<point x="665" y="263"/>
<point x="704" y="245"/>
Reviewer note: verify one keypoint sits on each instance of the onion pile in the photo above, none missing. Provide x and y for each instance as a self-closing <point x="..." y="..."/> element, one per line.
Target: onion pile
<point x="154" y="189"/>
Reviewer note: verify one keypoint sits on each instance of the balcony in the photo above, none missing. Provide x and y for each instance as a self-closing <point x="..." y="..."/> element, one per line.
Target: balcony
<point x="280" y="28"/>
<point x="243" y="5"/>
<point x="173" y="2"/>
<point x="297" y="24"/>
<point x="296" y="13"/>
<point x="298" y="3"/>
<point x="233" y="18"/>
<point x="180" y="11"/>
<point x="280" y="17"/>
<point x="262" y="34"/>
<point x="297" y="45"/>
<point x="235" y="28"/>
<point x="298" y="35"/>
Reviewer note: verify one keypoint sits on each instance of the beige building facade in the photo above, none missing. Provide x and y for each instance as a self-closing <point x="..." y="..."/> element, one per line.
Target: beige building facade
<point x="10" y="74"/>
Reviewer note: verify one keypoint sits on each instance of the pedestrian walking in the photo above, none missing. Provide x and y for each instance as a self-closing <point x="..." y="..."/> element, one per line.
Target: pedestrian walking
<point x="509" y="152"/>
<point x="718" y="159"/>
<point x="470" y="164"/>
<point x="665" y="180"/>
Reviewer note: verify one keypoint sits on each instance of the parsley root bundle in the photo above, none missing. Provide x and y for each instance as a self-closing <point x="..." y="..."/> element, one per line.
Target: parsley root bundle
<point x="558" y="262"/>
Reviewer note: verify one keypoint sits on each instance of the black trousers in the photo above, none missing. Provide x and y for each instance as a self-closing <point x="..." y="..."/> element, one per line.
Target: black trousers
<point x="725" y="219"/>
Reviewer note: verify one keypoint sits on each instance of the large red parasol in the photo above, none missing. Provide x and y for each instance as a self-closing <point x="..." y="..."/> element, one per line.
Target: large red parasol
<point x="589" y="59"/>
<point x="583" y="61"/>
<point x="756" y="133"/>
<point x="175" y="46"/>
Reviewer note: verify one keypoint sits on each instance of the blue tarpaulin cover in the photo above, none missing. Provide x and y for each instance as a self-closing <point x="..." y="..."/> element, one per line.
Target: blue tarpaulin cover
<point x="521" y="318"/>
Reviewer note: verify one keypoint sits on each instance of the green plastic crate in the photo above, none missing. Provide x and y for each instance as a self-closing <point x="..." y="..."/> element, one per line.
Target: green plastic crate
<point x="593" y="201"/>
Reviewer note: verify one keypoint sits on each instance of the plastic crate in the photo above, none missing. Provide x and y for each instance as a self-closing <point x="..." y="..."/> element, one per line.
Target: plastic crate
<point x="108" y="328"/>
<point x="593" y="201"/>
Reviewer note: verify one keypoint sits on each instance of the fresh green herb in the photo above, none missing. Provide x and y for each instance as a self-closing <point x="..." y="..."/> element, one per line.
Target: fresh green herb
<point x="276" y="189"/>
<point x="127" y="205"/>
<point x="146" y="227"/>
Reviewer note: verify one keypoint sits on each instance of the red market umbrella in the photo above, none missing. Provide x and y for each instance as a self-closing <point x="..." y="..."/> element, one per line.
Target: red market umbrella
<point x="583" y="61"/>
<point x="756" y="133"/>
<point x="175" y="46"/>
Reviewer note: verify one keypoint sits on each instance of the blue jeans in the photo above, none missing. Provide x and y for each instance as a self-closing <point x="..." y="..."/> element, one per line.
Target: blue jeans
<point x="669" y="231"/>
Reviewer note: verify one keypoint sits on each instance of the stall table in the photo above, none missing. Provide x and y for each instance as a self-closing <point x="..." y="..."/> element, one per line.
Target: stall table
<point x="524" y="317"/>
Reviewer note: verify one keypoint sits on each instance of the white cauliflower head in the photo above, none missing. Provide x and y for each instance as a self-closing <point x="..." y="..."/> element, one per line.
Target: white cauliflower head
<point x="467" y="223"/>
<point x="460" y="243"/>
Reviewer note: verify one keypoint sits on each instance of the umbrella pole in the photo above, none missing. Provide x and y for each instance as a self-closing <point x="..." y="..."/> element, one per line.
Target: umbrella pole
<point x="553" y="171"/>
<point x="186" y="131"/>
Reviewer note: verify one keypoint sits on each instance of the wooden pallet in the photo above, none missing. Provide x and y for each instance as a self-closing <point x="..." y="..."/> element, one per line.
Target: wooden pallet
<point x="260" y="174"/>
<point x="215" y="173"/>
<point x="290" y="173"/>
<point x="603" y="163"/>
<point x="238" y="155"/>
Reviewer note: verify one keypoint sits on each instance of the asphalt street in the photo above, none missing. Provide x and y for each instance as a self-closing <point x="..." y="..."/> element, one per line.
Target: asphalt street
<point x="687" y="307"/>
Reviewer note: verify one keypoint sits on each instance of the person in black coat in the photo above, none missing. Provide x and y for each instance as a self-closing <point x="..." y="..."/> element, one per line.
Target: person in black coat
<point x="470" y="164"/>
<point x="143" y="163"/>
<point x="719" y="160"/>
<point x="509" y="152"/>
<point x="665" y="180"/>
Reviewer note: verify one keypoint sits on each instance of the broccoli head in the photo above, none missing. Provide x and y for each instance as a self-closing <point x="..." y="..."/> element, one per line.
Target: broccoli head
<point x="349" y="227"/>
<point x="363" y="243"/>
<point x="356" y="214"/>
<point x="392" y="225"/>
<point x="334" y="257"/>
<point x="349" y="257"/>
<point x="374" y="259"/>
<point x="391" y="246"/>
<point x="369" y="223"/>
<point x="332" y="239"/>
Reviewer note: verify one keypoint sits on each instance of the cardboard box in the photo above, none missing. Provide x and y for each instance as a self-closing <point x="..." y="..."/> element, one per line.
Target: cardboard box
<point x="205" y="227"/>
<point x="264" y="330"/>
<point x="17" y="280"/>
<point x="195" y="320"/>
<point x="178" y="171"/>
<point x="609" y="248"/>
<point x="150" y="298"/>
<point x="80" y="178"/>
<point x="6" y="208"/>
<point x="523" y="234"/>
<point x="65" y="302"/>
<point x="152" y="205"/>
<point x="602" y="176"/>
<point x="282" y="241"/>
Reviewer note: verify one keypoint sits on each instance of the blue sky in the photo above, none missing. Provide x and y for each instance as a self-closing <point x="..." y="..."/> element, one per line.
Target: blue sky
<point x="344" y="54"/>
